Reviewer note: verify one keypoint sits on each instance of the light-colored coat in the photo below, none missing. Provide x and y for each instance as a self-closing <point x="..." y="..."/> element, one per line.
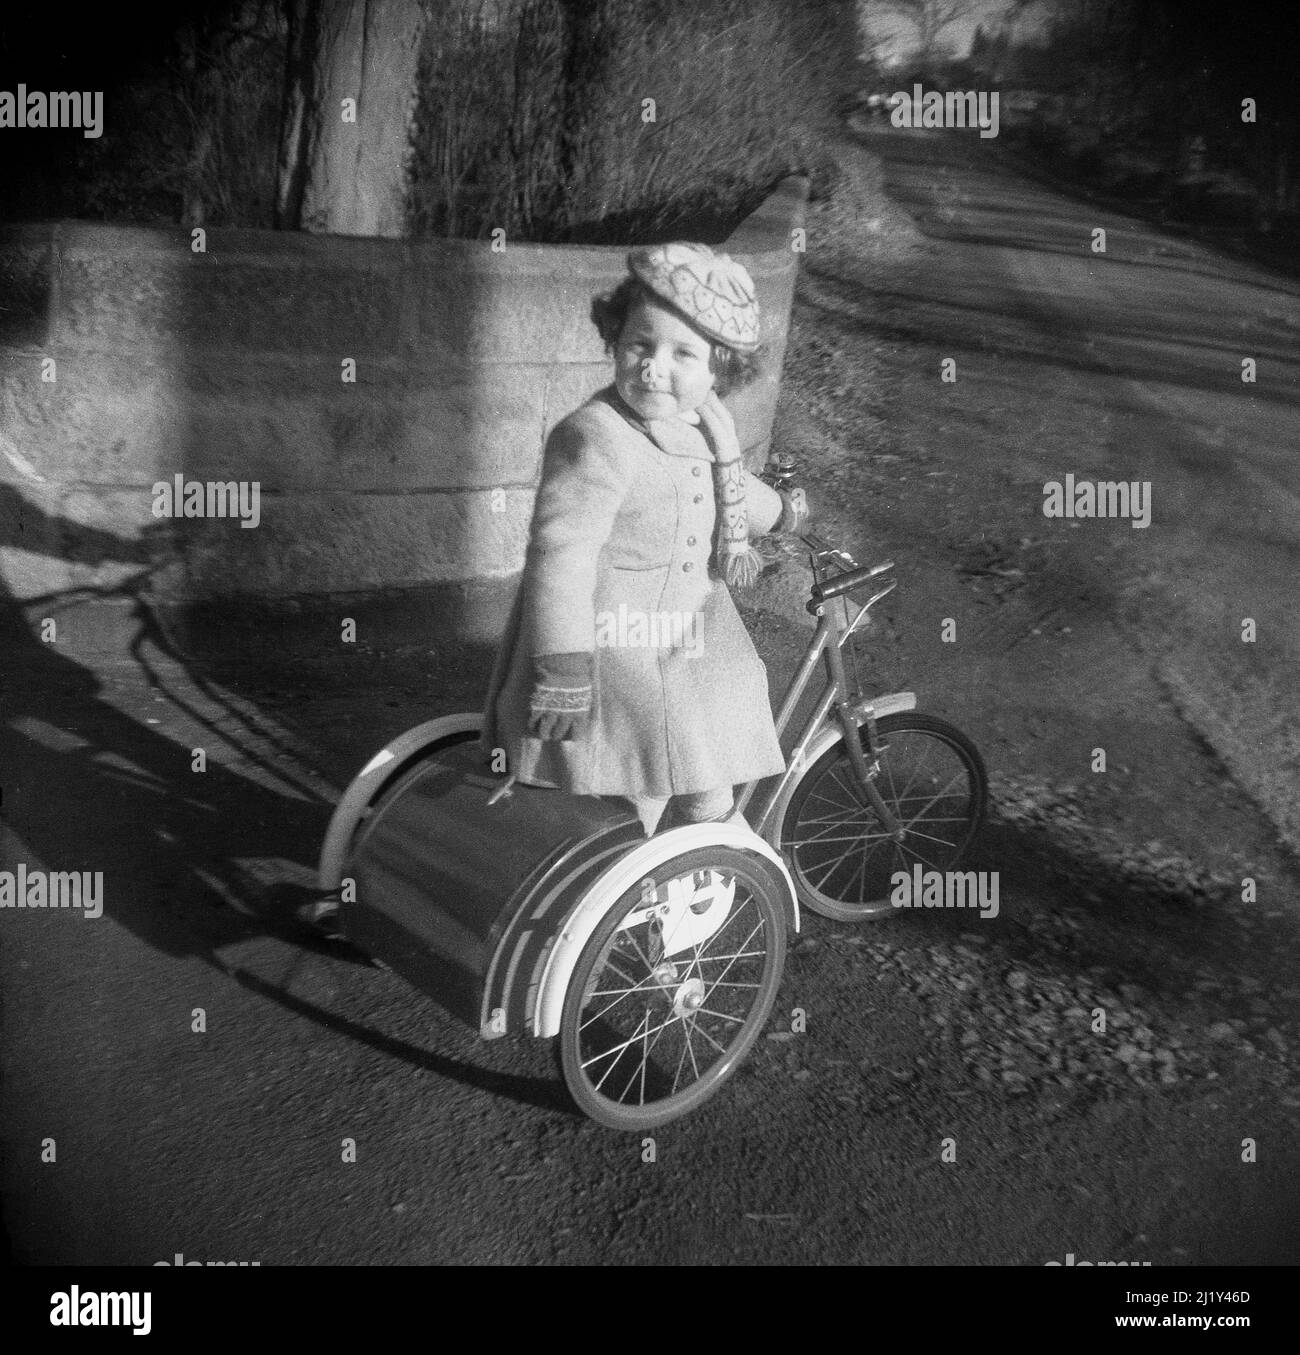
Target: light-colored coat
<point x="623" y="527"/>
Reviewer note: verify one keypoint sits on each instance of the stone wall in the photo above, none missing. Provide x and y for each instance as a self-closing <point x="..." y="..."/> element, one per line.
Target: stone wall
<point x="128" y="358"/>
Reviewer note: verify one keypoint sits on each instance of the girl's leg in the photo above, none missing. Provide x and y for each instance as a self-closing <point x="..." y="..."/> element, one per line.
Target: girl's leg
<point x="649" y="810"/>
<point x="705" y="806"/>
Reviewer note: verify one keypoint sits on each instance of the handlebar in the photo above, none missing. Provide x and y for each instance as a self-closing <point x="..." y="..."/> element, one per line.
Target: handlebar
<point x="780" y="471"/>
<point x="846" y="583"/>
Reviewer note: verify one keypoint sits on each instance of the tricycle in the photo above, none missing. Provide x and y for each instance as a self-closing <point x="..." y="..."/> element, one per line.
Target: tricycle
<point x="655" y="961"/>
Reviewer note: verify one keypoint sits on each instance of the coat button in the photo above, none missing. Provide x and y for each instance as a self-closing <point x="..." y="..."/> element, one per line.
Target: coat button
<point x="690" y="540"/>
<point x="695" y="470"/>
<point x="699" y="498"/>
<point x="687" y="567"/>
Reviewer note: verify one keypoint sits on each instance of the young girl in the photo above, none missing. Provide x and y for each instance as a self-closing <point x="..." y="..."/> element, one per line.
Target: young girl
<point x="625" y="668"/>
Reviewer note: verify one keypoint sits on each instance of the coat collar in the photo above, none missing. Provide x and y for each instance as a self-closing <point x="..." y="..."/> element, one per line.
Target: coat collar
<point x="672" y="436"/>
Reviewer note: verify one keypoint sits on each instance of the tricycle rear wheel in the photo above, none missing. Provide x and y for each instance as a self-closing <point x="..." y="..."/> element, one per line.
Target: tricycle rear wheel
<point x="674" y="987"/>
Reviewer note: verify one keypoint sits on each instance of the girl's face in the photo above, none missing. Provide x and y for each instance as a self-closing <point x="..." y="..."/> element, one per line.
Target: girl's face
<point x="661" y="365"/>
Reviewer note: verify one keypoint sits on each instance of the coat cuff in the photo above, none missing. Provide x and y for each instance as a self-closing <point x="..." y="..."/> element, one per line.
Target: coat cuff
<point x="562" y="682"/>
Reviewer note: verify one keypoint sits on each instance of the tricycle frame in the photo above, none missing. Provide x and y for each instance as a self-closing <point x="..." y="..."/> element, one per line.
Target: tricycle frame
<point x="852" y="710"/>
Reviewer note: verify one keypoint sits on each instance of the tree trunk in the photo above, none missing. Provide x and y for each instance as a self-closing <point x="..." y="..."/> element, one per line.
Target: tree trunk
<point x="343" y="166"/>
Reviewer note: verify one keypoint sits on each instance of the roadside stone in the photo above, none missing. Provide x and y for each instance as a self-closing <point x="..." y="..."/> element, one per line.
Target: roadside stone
<point x="1220" y="1032"/>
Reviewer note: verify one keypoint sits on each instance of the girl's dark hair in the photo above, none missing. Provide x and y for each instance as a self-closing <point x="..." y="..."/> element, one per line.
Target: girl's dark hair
<point x="730" y="367"/>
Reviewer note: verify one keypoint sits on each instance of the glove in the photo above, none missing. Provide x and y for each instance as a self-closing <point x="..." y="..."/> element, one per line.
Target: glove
<point x="560" y="706"/>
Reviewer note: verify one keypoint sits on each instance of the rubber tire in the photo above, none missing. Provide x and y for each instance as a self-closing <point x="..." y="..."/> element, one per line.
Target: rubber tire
<point x="906" y="721"/>
<point x="770" y="891"/>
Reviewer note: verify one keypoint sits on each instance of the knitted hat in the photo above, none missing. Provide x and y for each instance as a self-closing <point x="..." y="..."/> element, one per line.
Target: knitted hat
<point x="713" y="291"/>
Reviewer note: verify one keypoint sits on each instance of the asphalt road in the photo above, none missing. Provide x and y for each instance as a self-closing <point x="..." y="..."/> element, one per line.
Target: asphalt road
<point x="228" y="1144"/>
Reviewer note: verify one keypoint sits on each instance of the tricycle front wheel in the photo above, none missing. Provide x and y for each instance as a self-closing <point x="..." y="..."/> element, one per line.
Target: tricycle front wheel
<point x="673" y="988"/>
<point x="842" y="858"/>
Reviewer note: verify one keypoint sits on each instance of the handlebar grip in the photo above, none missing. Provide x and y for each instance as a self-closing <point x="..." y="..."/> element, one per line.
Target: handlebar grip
<point x="846" y="583"/>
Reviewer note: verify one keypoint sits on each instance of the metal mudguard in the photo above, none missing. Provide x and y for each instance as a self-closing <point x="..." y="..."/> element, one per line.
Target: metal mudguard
<point x="546" y="998"/>
<point x="877" y="707"/>
<point x="370" y="781"/>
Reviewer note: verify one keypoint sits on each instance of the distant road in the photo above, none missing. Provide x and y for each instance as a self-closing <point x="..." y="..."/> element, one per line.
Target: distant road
<point x="1158" y="328"/>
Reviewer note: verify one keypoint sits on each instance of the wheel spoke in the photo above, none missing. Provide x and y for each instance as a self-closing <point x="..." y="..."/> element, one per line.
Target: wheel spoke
<point x="645" y="1058"/>
<point x="741" y="954"/>
<point x="826" y="834"/>
<point x="687" y="1028"/>
<point x="618" y="1048"/>
<point x="861" y="870"/>
<point x="842" y="814"/>
<point x="830" y="870"/>
<point x="637" y="1047"/>
<point x="695" y="1025"/>
<point x="627" y="978"/>
<point x="645" y="1020"/>
<point x="596" y="1016"/>
<point x="849" y="789"/>
<point x="735" y="955"/>
<point x="757" y="927"/>
<point x="911" y="780"/>
<point x="903" y="846"/>
<point x="929" y="837"/>
<point x="852" y="837"/>
<point x="939" y="795"/>
<point x="686" y="1045"/>
<point x="640" y="954"/>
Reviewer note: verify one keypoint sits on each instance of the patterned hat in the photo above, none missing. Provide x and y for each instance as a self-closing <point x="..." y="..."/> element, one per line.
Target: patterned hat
<point x="713" y="291"/>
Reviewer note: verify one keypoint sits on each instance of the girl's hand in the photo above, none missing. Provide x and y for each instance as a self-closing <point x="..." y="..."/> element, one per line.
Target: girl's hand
<point x="560" y="706"/>
<point x="719" y="429"/>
